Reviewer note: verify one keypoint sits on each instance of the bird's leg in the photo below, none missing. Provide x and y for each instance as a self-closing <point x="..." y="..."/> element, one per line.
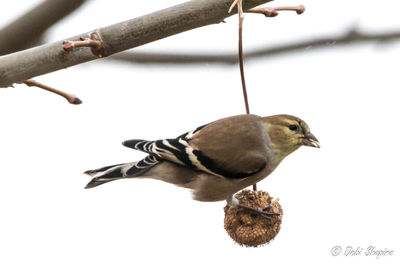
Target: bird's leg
<point x="261" y="211"/>
<point x="264" y="212"/>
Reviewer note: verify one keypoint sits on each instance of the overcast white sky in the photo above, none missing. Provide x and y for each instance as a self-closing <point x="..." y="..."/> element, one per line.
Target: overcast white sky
<point x="345" y="194"/>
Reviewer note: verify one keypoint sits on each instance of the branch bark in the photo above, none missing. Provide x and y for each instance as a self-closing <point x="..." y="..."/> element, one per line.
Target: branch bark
<point x="47" y="58"/>
<point x="28" y="29"/>
<point x="352" y="36"/>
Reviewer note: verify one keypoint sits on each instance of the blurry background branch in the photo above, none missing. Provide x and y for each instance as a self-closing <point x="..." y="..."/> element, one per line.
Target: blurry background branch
<point x="27" y="30"/>
<point x="353" y="36"/>
<point x="47" y="58"/>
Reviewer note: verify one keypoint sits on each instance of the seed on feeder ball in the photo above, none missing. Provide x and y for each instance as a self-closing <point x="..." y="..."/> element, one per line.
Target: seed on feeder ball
<point x="248" y="228"/>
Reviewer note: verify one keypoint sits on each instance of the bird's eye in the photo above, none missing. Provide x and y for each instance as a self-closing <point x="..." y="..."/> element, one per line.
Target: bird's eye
<point x="293" y="127"/>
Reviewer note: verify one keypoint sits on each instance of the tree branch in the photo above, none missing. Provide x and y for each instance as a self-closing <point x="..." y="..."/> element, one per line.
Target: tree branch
<point x="273" y="11"/>
<point x="36" y="61"/>
<point x="72" y="99"/>
<point x="352" y="36"/>
<point x="28" y="29"/>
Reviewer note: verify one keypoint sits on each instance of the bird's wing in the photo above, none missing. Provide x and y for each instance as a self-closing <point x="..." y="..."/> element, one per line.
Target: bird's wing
<point x="231" y="147"/>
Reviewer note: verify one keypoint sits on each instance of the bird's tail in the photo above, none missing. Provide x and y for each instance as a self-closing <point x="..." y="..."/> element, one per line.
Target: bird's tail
<point x="105" y="174"/>
<point x="125" y="170"/>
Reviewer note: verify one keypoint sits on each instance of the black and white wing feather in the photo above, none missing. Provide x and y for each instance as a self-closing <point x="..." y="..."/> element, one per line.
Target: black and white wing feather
<point x="181" y="151"/>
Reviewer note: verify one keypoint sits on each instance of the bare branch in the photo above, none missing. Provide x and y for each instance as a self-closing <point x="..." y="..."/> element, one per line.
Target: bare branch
<point x="36" y="61"/>
<point x="83" y="42"/>
<point x="352" y="36"/>
<point x="273" y="11"/>
<point x="70" y="98"/>
<point x="268" y="12"/>
<point x="94" y="43"/>
<point x="28" y="29"/>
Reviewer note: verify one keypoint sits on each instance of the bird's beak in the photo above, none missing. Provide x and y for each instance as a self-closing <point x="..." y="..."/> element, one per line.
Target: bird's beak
<point x="310" y="140"/>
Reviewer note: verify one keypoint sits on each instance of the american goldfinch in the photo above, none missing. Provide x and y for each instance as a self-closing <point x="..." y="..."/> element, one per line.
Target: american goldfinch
<point x="218" y="159"/>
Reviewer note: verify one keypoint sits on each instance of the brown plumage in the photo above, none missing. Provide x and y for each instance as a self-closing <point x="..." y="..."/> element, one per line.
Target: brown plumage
<point x="218" y="159"/>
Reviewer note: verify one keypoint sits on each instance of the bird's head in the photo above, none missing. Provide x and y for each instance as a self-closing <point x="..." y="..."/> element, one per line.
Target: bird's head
<point x="288" y="133"/>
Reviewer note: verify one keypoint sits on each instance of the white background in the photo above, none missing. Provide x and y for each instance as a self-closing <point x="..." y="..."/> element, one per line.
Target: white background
<point x="345" y="194"/>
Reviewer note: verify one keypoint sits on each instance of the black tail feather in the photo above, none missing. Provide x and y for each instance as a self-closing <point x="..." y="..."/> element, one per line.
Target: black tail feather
<point x="114" y="172"/>
<point x="105" y="174"/>
<point x="99" y="181"/>
<point x="102" y="169"/>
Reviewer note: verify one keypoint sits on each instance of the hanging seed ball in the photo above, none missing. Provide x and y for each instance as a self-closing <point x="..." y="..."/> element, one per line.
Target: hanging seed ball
<point x="248" y="228"/>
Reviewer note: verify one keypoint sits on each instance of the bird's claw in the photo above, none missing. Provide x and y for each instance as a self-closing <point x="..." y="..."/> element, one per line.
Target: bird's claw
<point x="264" y="212"/>
<point x="267" y="208"/>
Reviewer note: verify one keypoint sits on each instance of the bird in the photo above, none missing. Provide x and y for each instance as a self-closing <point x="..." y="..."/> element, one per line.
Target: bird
<point x="218" y="159"/>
